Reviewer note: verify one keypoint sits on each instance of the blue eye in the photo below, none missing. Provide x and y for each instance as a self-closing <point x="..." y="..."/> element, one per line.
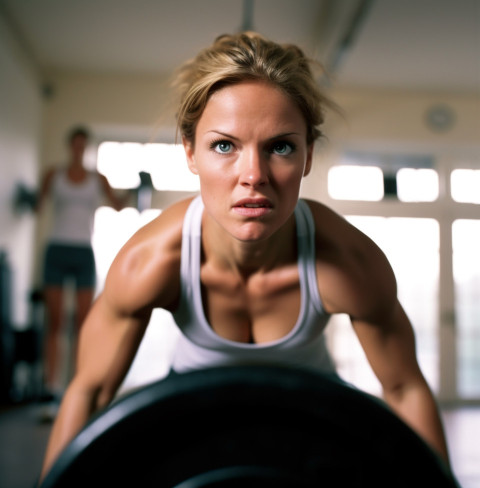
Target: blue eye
<point x="222" y="147"/>
<point x="282" y="148"/>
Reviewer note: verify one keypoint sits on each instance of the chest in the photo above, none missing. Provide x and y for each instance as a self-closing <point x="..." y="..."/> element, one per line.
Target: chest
<point x="83" y="193"/>
<point x="65" y="188"/>
<point x="262" y="308"/>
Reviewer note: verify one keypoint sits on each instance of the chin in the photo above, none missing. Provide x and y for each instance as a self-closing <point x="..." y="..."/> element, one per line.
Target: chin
<point x="254" y="234"/>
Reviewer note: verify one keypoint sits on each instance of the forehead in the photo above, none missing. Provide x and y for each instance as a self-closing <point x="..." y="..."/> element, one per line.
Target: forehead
<point x="254" y="103"/>
<point x="78" y="138"/>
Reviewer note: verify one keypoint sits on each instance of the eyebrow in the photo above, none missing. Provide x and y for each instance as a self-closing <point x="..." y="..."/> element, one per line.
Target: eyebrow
<point x="278" y="136"/>
<point x="220" y="133"/>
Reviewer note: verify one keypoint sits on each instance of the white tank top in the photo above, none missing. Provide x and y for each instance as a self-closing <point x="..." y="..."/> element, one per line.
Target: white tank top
<point x="200" y="347"/>
<point x="74" y="206"/>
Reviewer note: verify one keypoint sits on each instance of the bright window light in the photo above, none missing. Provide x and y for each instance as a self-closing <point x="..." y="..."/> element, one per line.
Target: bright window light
<point x="466" y="242"/>
<point x="355" y="183"/>
<point x="417" y="185"/>
<point x="465" y="184"/>
<point x="168" y="166"/>
<point x="121" y="163"/>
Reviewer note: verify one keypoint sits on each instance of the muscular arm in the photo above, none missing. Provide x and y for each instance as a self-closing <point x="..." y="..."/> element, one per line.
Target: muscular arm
<point x="390" y="350"/>
<point x="144" y="275"/>
<point x="355" y="278"/>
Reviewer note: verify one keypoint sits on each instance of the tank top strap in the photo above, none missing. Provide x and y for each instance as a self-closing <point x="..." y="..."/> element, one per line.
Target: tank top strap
<point x="190" y="262"/>
<point x="306" y="251"/>
<point x="191" y="233"/>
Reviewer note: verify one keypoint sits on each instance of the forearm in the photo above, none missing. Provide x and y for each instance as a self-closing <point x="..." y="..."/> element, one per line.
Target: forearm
<point x="416" y="406"/>
<point x="76" y="409"/>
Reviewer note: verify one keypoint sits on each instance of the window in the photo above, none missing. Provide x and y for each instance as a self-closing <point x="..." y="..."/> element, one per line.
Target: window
<point x="466" y="273"/>
<point x="121" y="163"/>
<point x="374" y="177"/>
<point x="355" y="183"/>
<point x="417" y="185"/>
<point x="465" y="184"/>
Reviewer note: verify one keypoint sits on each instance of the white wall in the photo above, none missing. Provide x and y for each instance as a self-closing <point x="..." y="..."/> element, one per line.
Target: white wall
<point x="20" y="124"/>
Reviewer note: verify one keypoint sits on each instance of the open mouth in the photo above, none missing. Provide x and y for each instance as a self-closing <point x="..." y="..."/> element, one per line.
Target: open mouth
<point x="255" y="205"/>
<point x="253" y="208"/>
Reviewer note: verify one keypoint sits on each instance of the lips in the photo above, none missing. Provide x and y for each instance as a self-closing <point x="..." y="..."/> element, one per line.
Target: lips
<point x="253" y="203"/>
<point x="253" y="207"/>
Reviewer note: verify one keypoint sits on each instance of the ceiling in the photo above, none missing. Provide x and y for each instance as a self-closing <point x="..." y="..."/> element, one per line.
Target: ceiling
<point x="409" y="44"/>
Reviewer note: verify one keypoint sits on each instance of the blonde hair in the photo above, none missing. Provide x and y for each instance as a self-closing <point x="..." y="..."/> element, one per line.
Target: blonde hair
<point x="248" y="56"/>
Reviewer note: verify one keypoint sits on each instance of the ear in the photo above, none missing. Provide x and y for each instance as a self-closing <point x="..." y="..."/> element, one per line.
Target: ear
<point x="308" y="163"/>
<point x="190" y="154"/>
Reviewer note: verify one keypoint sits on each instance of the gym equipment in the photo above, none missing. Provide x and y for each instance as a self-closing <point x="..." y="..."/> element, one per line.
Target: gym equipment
<point x="144" y="191"/>
<point x="7" y="339"/>
<point x="24" y="198"/>
<point x="253" y="426"/>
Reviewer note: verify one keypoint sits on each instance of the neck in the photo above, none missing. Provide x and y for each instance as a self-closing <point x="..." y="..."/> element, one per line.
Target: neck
<point x="76" y="158"/>
<point x="248" y="258"/>
<point x="76" y="163"/>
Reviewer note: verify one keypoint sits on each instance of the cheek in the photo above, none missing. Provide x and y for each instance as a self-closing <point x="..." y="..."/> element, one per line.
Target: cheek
<point x="289" y="176"/>
<point x="213" y="177"/>
<point x="213" y="173"/>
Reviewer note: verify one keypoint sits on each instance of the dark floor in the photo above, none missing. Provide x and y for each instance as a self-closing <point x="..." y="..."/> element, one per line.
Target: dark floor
<point x="23" y="438"/>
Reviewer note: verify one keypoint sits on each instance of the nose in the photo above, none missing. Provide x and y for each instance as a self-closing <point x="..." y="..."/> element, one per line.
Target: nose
<point x="253" y="169"/>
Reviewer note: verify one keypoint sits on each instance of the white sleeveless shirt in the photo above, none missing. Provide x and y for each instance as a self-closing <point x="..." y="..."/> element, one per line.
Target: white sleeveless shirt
<point x="200" y="347"/>
<point x="74" y="206"/>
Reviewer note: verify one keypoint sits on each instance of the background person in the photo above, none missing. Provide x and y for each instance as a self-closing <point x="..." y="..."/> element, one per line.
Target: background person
<point x="76" y="193"/>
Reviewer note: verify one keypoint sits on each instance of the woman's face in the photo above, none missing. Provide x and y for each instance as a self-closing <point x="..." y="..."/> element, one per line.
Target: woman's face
<point x="78" y="145"/>
<point x="250" y="153"/>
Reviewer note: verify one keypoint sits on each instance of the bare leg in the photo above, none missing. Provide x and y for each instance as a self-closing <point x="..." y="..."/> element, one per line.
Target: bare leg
<point x="54" y="304"/>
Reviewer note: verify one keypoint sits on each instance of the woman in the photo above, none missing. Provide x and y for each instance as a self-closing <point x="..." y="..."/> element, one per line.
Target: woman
<point x="250" y="273"/>
<point x="76" y="193"/>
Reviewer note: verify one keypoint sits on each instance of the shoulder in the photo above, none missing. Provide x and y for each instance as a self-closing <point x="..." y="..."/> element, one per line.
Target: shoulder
<point x="146" y="271"/>
<point x="334" y="235"/>
<point x="353" y="273"/>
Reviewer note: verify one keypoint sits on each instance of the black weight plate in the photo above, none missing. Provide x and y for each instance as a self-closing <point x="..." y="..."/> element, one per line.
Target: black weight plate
<point x="279" y="427"/>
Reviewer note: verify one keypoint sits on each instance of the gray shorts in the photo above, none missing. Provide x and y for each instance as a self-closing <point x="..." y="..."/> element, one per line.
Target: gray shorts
<point x="68" y="261"/>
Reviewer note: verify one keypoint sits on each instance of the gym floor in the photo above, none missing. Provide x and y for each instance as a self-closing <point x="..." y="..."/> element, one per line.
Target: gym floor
<point x="23" y="439"/>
